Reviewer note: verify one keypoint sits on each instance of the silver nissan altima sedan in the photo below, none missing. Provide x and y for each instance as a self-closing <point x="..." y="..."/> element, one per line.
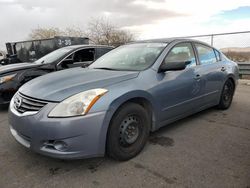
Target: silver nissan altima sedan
<point x="112" y="106"/>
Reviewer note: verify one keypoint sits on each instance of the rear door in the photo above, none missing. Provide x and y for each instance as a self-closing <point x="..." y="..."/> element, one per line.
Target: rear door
<point x="213" y="71"/>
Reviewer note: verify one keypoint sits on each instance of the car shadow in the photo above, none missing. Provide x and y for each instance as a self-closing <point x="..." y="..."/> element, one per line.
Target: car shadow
<point x="53" y="166"/>
<point x="182" y="122"/>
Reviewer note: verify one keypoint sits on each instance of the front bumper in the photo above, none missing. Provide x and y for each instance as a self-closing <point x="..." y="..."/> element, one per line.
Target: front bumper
<point x="82" y="137"/>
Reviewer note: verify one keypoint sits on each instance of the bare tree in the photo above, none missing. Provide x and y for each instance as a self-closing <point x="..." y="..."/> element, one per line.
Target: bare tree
<point x="102" y="31"/>
<point x="44" y="33"/>
<point x="99" y="31"/>
<point x="74" y="32"/>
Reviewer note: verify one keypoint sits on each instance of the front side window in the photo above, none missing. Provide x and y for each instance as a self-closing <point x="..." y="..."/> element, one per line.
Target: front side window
<point x="182" y="53"/>
<point x="206" y="54"/>
<point x="84" y="55"/>
<point x="130" y="57"/>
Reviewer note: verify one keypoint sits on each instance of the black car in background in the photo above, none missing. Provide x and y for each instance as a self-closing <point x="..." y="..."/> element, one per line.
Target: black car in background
<point x="14" y="76"/>
<point x="31" y="50"/>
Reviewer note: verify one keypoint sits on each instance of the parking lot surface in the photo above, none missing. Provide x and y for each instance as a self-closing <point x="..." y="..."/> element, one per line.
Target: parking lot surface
<point x="209" y="149"/>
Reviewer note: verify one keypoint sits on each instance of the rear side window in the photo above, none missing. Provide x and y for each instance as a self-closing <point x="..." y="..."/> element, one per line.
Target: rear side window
<point x="182" y="52"/>
<point x="206" y="54"/>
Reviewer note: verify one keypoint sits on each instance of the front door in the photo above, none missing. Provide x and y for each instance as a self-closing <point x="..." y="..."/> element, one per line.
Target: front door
<point x="80" y="58"/>
<point x="178" y="91"/>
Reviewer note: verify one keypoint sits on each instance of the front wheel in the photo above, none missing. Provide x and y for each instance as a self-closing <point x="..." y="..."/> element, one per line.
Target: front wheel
<point x="226" y="95"/>
<point x="128" y="132"/>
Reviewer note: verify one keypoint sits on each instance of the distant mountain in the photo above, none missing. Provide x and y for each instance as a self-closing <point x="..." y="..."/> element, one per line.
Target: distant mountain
<point x="237" y="54"/>
<point x="236" y="49"/>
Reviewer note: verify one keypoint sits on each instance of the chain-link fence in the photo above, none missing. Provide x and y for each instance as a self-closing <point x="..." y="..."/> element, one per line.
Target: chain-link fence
<point x="235" y="46"/>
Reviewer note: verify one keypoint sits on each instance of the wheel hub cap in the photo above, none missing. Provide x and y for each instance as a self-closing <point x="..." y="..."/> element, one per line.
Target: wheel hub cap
<point x="129" y="130"/>
<point x="228" y="90"/>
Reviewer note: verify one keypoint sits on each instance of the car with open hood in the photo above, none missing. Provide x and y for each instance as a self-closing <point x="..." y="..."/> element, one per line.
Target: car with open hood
<point x="112" y="106"/>
<point x="13" y="76"/>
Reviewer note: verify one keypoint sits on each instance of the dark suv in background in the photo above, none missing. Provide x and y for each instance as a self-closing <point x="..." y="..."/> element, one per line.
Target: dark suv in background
<point x="14" y="76"/>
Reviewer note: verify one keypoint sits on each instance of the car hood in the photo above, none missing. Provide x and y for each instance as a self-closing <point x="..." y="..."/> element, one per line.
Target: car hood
<point x="16" y="67"/>
<point x="60" y="85"/>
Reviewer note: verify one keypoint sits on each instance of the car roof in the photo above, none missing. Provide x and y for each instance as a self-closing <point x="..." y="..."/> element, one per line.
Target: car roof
<point x="169" y="40"/>
<point x="87" y="46"/>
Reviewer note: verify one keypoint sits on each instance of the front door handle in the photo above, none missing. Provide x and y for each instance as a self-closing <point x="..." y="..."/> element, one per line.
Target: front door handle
<point x="223" y="69"/>
<point x="197" y="77"/>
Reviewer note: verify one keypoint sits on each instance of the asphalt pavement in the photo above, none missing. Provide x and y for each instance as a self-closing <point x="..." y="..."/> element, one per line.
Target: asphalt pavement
<point x="209" y="149"/>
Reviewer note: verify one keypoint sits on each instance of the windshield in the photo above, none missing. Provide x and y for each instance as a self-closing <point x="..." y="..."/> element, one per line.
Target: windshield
<point x="53" y="56"/>
<point x="131" y="57"/>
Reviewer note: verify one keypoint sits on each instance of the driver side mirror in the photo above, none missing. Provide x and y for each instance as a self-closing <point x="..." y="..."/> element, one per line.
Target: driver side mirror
<point x="173" y="66"/>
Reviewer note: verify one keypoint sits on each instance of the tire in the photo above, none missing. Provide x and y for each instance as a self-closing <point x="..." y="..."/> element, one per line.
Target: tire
<point x="128" y="132"/>
<point x="226" y="95"/>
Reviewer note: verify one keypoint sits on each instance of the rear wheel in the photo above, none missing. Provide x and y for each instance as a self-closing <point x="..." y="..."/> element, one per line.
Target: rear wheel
<point x="227" y="95"/>
<point x="128" y="132"/>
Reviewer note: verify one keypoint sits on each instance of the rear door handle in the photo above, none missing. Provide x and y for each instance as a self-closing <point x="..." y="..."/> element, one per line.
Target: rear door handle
<point x="223" y="69"/>
<point x="197" y="77"/>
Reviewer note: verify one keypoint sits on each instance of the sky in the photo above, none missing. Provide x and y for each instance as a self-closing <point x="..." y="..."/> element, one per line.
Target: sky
<point x="146" y="18"/>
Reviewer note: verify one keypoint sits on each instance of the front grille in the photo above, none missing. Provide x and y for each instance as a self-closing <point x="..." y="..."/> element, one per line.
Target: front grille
<point x="24" y="104"/>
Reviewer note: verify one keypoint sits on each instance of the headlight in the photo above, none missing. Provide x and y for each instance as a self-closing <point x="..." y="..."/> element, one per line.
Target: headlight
<point x="78" y="104"/>
<point x="6" y="78"/>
